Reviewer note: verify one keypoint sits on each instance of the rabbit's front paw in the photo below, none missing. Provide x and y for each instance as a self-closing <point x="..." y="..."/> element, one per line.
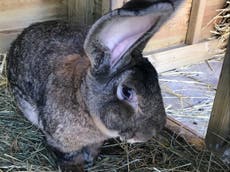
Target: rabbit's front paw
<point x="72" y="168"/>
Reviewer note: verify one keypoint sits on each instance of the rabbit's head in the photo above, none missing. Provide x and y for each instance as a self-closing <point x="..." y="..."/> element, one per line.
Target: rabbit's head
<point x="123" y="93"/>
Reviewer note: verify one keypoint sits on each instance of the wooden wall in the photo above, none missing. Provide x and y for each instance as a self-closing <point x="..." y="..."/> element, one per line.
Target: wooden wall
<point x="174" y="31"/>
<point x="86" y="11"/>
<point x="209" y="13"/>
<point x="18" y="14"/>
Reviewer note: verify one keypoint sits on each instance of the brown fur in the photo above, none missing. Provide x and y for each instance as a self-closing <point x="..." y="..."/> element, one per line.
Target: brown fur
<point x="71" y="68"/>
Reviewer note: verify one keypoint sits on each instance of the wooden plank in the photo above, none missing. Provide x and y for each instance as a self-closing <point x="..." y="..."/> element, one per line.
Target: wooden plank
<point x="185" y="132"/>
<point x="195" y="21"/>
<point x="13" y="19"/>
<point x="18" y="14"/>
<point x="173" y="32"/>
<point x="185" y="55"/>
<point x="86" y="12"/>
<point x="6" y="38"/>
<point x="106" y="6"/>
<point x="218" y="134"/>
<point x="117" y="3"/>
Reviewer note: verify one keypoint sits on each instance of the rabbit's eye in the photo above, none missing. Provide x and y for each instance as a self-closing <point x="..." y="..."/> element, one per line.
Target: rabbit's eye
<point x="127" y="92"/>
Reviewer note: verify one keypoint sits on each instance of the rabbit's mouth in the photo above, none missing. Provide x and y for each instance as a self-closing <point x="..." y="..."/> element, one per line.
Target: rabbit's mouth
<point x="139" y="137"/>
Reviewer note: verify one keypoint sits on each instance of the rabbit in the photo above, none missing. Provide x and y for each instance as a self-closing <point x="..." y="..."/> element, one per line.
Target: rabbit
<point x="82" y="85"/>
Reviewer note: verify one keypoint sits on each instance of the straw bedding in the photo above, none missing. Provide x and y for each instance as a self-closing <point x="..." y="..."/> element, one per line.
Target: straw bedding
<point x="23" y="147"/>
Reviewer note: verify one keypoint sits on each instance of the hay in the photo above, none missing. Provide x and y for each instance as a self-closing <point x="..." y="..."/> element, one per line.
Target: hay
<point x="222" y="24"/>
<point x="189" y="95"/>
<point x="23" y="148"/>
<point x="21" y="144"/>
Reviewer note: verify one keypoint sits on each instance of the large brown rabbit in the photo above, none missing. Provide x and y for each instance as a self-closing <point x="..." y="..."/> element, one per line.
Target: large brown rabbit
<point x="81" y="87"/>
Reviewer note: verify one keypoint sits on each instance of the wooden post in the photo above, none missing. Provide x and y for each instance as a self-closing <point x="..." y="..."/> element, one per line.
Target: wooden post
<point x="117" y="3"/>
<point x="86" y="12"/>
<point x="195" y="21"/>
<point x="218" y="134"/>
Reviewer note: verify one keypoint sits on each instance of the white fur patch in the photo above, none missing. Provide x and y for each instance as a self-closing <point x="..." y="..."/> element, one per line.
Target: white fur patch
<point x="133" y="141"/>
<point x="30" y="112"/>
<point x="103" y="129"/>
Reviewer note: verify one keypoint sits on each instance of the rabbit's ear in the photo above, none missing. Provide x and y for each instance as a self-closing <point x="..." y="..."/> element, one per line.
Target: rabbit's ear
<point x="117" y="34"/>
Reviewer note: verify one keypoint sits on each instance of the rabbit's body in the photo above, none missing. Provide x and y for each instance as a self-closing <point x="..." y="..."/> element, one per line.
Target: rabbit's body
<point x="47" y="82"/>
<point x="82" y="87"/>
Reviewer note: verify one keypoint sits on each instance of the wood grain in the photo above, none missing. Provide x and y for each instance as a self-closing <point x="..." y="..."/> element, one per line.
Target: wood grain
<point x="18" y="14"/>
<point x="86" y="12"/>
<point x="218" y="134"/>
<point x="172" y="32"/>
<point x="195" y="21"/>
<point x="209" y="14"/>
<point x="185" y="132"/>
<point x="185" y="55"/>
<point x="6" y="39"/>
<point x="117" y="3"/>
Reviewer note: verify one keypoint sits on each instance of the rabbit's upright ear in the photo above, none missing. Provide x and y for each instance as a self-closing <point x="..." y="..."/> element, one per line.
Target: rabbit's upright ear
<point x="116" y="35"/>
